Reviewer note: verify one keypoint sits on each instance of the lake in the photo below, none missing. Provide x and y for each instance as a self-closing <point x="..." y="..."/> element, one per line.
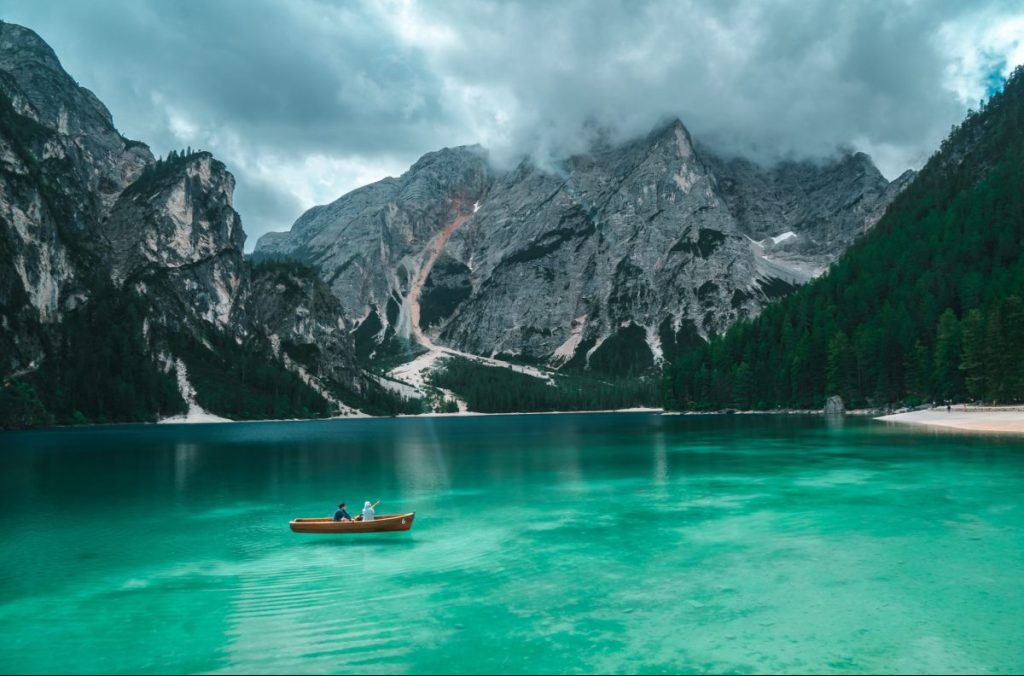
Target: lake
<point x="543" y="543"/>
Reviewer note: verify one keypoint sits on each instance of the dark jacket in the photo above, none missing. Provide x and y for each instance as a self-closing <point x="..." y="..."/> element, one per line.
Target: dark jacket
<point x="341" y="514"/>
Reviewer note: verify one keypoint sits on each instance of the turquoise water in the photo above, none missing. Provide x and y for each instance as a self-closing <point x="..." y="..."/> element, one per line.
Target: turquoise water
<point x="568" y="543"/>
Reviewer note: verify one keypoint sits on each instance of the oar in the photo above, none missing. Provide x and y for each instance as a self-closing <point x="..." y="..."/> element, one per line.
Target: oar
<point x="373" y="506"/>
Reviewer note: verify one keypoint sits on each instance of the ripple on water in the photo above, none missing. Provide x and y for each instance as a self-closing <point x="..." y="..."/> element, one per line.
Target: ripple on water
<point x="589" y="543"/>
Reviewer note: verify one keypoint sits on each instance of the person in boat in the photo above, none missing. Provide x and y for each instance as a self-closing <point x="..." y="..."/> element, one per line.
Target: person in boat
<point x="367" y="511"/>
<point x="342" y="515"/>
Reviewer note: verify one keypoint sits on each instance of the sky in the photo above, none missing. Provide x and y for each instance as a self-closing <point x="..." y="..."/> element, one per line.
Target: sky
<point x="306" y="100"/>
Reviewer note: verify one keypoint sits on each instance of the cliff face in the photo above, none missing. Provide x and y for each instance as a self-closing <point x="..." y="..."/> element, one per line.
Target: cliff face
<point x="83" y="210"/>
<point x="610" y="261"/>
<point x="175" y="226"/>
<point x="643" y="249"/>
<point x="62" y="165"/>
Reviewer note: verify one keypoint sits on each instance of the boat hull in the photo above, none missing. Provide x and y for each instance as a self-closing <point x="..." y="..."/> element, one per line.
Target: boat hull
<point x="385" y="523"/>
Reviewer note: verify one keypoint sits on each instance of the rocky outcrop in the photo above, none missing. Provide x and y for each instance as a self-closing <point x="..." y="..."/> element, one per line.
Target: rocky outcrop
<point x="175" y="226"/>
<point x="84" y="210"/>
<point x="62" y="165"/>
<point x="302" y="319"/>
<point x="834" y="406"/>
<point x="607" y="260"/>
<point x="370" y="245"/>
<point x="805" y="214"/>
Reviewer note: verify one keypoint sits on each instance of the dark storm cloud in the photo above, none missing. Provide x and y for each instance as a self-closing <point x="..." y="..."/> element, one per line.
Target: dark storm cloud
<point x="263" y="85"/>
<point x="774" y="79"/>
<point x="306" y="99"/>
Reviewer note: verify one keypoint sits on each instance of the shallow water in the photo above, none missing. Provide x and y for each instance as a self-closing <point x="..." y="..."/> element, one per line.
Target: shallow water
<point x="561" y="543"/>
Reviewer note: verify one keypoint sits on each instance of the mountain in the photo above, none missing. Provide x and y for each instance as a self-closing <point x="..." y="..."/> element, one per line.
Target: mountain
<point x="124" y="293"/>
<point x="927" y="306"/>
<point x="605" y="262"/>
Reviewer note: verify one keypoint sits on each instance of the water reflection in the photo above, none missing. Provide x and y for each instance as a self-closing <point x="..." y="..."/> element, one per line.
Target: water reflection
<point x="542" y="544"/>
<point x="185" y="458"/>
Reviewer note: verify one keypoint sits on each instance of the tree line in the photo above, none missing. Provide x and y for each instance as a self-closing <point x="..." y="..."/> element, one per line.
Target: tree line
<point x="925" y="307"/>
<point x="491" y="389"/>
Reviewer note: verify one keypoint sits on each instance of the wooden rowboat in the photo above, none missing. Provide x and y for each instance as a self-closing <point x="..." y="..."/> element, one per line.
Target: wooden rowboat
<point x="382" y="524"/>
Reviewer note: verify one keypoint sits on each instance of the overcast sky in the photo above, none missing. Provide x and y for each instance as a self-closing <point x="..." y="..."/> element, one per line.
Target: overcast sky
<point x="305" y="100"/>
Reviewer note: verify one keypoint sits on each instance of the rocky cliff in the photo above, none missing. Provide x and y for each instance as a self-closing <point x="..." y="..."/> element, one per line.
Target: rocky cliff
<point x="607" y="261"/>
<point x="91" y="221"/>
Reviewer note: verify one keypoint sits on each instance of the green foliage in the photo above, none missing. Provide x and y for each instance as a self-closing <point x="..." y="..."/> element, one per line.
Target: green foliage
<point x="279" y="264"/>
<point x="490" y="389"/>
<point x="241" y="383"/>
<point x="97" y="366"/>
<point x="624" y="353"/>
<point x="375" y="399"/>
<point x="20" y="407"/>
<point x="154" y="175"/>
<point x="926" y="306"/>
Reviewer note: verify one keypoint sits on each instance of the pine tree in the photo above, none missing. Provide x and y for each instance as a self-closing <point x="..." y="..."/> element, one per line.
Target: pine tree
<point x="973" y="361"/>
<point x="947" y="377"/>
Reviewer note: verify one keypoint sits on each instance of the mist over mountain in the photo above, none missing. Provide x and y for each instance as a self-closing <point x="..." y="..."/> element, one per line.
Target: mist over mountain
<point x="306" y="100"/>
<point x="928" y="306"/>
<point x="587" y="264"/>
<point x="608" y="261"/>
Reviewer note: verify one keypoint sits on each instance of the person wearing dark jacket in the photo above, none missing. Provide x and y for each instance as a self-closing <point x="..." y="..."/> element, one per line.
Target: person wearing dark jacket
<point x="341" y="514"/>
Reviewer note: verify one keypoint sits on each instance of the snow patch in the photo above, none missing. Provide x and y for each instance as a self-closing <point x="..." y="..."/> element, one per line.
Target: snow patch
<point x="793" y="272"/>
<point x="789" y="234"/>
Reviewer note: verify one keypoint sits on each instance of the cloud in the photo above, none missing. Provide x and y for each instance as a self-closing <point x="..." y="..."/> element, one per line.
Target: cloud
<point x="763" y="79"/>
<point x="308" y="99"/>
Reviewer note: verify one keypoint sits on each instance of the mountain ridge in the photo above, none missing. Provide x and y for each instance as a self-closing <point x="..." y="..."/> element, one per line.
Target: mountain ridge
<point x="926" y="307"/>
<point x="653" y="236"/>
<point x="125" y="271"/>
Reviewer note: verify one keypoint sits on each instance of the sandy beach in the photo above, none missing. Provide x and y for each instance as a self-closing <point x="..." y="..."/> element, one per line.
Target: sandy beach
<point x="971" y="418"/>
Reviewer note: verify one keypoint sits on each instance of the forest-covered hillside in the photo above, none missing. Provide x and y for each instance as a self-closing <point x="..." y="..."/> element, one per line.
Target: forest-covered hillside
<point x="925" y="307"/>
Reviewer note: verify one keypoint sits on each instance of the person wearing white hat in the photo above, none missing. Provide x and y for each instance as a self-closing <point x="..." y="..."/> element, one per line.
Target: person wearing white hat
<point x="367" y="511"/>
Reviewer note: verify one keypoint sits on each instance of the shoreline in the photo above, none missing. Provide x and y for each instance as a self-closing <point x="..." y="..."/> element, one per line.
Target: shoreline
<point x="969" y="418"/>
<point x="964" y="418"/>
<point x="210" y="419"/>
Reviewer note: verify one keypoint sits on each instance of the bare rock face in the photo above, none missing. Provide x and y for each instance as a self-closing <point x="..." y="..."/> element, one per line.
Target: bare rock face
<point x="370" y="244"/>
<point x="299" y="316"/>
<point x="83" y="208"/>
<point x="612" y="260"/>
<point x="176" y="223"/>
<point x="805" y="214"/>
<point x="834" y="406"/>
<point x="62" y="165"/>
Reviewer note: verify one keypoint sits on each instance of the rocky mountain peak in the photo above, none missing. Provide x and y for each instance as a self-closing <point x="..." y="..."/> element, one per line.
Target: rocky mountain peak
<point x="21" y="48"/>
<point x="57" y="100"/>
<point x="92" y="224"/>
<point x="642" y="247"/>
<point x="674" y="131"/>
<point x="178" y="213"/>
